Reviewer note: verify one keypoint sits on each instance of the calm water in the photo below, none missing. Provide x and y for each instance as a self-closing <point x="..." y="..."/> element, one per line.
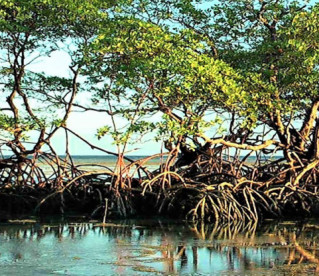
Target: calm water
<point x="153" y="247"/>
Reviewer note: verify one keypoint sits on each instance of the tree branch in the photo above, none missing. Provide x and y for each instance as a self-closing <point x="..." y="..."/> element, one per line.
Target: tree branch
<point x="240" y="146"/>
<point x="311" y="116"/>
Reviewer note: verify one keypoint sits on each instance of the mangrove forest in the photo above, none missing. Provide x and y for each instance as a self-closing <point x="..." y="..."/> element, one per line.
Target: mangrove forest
<point x="225" y="92"/>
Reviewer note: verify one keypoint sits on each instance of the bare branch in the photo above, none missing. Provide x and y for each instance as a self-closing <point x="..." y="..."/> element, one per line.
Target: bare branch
<point x="264" y="145"/>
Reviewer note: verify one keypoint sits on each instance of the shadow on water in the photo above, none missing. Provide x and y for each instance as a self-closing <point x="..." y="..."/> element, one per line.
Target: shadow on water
<point x="155" y="247"/>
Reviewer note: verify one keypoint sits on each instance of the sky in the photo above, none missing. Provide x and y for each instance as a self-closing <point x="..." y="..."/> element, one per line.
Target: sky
<point x="84" y="123"/>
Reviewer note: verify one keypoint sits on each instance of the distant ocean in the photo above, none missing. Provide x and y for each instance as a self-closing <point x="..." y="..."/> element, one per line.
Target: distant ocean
<point x="111" y="159"/>
<point x="102" y="162"/>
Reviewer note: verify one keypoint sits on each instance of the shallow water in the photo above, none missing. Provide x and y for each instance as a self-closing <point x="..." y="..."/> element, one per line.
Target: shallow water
<point x="154" y="247"/>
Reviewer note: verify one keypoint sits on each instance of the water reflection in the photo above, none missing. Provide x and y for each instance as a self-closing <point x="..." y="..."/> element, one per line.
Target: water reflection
<point x="148" y="247"/>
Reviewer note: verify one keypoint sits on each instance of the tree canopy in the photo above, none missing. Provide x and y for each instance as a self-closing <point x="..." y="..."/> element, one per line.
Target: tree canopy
<point x="253" y="60"/>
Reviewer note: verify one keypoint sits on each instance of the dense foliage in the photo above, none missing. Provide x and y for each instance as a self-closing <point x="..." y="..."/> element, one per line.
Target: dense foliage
<point x="253" y="60"/>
